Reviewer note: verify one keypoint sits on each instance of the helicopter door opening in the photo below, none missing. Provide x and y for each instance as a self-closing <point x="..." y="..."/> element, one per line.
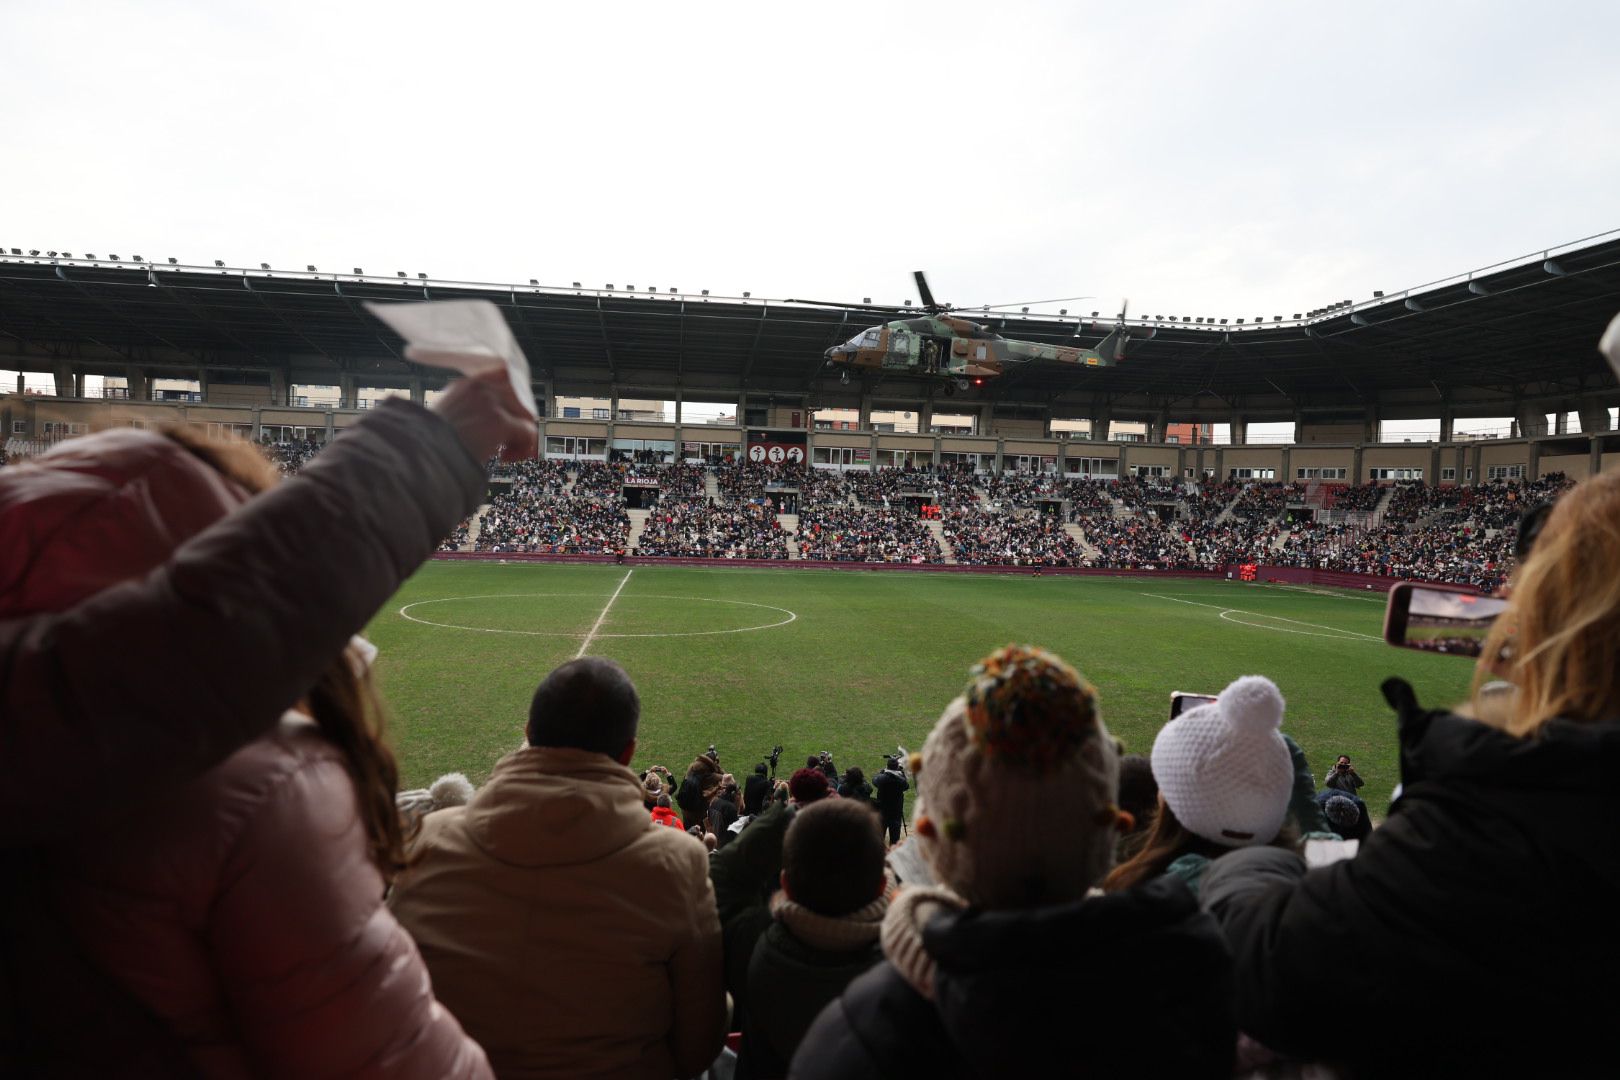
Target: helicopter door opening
<point x="934" y="353"/>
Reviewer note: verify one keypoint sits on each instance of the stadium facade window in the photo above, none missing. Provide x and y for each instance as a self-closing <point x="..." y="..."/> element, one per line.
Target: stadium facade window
<point x="1172" y="438"/>
<point x="1321" y="474"/>
<point x="571" y="412"/>
<point x="1151" y="470"/>
<point x="1448" y="474"/>
<point x="1252" y="474"/>
<point x="1394" y="474"/>
<point x="602" y="414"/>
<point x="19" y="427"/>
<point x="1103" y="468"/>
<point x="1504" y="472"/>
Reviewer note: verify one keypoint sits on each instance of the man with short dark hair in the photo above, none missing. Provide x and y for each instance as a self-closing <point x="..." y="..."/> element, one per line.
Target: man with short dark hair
<point x="827" y="917"/>
<point x="525" y="902"/>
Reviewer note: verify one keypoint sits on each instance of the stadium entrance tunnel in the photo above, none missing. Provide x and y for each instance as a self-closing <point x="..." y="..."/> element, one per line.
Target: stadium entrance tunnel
<point x="596" y="615"/>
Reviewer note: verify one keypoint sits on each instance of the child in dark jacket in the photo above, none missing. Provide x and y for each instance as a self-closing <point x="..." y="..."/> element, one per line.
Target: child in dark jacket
<point x="827" y="917"/>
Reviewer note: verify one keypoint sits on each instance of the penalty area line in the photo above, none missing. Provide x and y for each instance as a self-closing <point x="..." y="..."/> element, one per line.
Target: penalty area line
<point x="600" y="618"/>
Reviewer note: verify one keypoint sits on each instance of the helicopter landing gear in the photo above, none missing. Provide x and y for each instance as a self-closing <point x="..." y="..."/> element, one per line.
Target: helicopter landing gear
<point x="843" y="378"/>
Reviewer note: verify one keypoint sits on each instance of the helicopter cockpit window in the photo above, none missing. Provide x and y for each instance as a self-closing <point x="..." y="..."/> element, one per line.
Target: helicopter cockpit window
<point x="866" y="339"/>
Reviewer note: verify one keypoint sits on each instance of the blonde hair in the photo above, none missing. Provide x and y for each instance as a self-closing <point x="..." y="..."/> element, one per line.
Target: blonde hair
<point x="1559" y="639"/>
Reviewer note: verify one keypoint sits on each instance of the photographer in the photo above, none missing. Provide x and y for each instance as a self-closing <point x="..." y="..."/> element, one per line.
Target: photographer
<point x="1343" y="777"/>
<point x="1495" y="867"/>
<point x="891" y="786"/>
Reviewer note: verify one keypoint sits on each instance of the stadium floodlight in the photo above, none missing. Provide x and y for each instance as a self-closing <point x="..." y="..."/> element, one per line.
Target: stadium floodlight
<point x="33" y="252"/>
<point x="1239" y="322"/>
<point x="1093" y="314"/>
<point x="50" y="254"/>
<point x="747" y="294"/>
<point x="908" y="303"/>
<point x="401" y="273"/>
<point x="576" y="284"/>
<point x="90" y="257"/>
<point x="1378" y="294"/>
<point x="358" y="271"/>
<point x="173" y="261"/>
<point x="1063" y="311"/>
<point x="421" y="275"/>
<point x="137" y="258"/>
<point x="114" y="258"/>
<point x="309" y="268"/>
<point x="16" y="251"/>
<point x="629" y="288"/>
<point x="264" y="266"/>
<point x="705" y="292"/>
<point x="218" y="262"/>
<point x="1297" y="315"/>
<point x="67" y="254"/>
<point x="1223" y="321"/>
<point x="1276" y="318"/>
<point x="1023" y="311"/>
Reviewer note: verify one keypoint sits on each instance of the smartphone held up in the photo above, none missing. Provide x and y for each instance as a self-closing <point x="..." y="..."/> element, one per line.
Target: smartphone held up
<point x="1433" y="618"/>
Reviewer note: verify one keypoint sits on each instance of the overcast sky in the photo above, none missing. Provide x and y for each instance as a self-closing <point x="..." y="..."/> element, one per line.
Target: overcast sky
<point x="1216" y="159"/>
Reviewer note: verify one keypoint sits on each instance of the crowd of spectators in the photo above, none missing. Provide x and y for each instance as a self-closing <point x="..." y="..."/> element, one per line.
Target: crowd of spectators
<point x="835" y="533"/>
<point x="289" y="457"/>
<point x="700" y="529"/>
<point x="980" y="538"/>
<point x="565" y="525"/>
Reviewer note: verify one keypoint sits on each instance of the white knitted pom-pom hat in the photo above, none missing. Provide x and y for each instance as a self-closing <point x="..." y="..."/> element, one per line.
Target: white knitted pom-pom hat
<point x="1224" y="769"/>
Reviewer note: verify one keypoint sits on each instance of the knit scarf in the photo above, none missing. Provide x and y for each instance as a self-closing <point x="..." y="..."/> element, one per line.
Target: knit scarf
<point x="831" y="933"/>
<point x="909" y="912"/>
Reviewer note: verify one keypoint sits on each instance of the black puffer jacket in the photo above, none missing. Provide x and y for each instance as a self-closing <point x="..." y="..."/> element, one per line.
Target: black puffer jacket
<point x="1135" y="983"/>
<point x="1479" y="920"/>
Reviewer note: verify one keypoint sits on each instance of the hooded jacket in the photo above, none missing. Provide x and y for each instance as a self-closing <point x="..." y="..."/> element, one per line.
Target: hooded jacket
<point x="130" y="561"/>
<point x="568" y="932"/>
<point x="1469" y="916"/>
<point x="1133" y="983"/>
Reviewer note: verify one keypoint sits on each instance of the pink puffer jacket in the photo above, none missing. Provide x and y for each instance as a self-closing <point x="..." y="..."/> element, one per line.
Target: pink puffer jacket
<point x="243" y="912"/>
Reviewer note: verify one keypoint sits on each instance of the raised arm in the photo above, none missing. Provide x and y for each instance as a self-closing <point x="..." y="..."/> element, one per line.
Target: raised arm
<point x="152" y="681"/>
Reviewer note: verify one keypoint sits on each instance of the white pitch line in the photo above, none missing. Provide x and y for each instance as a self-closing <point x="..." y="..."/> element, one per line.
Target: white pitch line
<point x="605" y="609"/>
<point x="1224" y="611"/>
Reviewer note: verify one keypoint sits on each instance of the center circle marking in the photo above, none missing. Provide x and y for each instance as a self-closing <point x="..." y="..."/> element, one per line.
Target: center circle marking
<point x="406" y="613"/>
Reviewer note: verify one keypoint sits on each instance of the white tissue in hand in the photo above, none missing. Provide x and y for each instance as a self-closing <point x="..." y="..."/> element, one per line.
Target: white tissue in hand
<point x="469" y="336"/>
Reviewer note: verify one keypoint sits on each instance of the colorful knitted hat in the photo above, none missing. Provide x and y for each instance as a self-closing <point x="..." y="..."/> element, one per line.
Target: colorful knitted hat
<point x="1016" y="785"/>
<point x="1224" y="769"/>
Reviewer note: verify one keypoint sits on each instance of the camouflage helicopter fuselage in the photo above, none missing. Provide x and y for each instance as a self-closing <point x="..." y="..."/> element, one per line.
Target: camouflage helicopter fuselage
<point x="948" y="347"/>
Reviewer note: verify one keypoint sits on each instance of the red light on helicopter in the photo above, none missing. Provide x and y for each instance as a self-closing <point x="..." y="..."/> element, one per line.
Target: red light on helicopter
<point x="978" y="382"/>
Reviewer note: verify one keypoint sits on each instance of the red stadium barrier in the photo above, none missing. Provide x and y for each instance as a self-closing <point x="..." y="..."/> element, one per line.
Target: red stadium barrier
<point x="1281" y="575"/>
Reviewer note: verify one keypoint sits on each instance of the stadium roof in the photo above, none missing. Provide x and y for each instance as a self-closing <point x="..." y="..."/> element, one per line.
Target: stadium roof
<point x="1478" y="343"/>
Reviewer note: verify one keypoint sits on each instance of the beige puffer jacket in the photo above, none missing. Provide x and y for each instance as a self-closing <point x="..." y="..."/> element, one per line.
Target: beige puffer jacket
<point x="571" y="935"/>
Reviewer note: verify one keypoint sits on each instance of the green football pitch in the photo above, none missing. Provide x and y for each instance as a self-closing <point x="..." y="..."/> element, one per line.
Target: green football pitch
<point x="857" y="661"/>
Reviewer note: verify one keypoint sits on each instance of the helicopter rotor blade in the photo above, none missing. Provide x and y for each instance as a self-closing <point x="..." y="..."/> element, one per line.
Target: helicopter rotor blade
<point x="923" y="291"/>
<point x="843" y="306"/>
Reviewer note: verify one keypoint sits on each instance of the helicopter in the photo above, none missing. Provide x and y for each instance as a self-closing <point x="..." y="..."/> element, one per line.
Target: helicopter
<point x="961" y="354"/>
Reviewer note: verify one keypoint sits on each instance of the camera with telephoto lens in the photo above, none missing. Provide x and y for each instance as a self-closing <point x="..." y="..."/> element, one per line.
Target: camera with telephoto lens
<point x="774" y="757"/>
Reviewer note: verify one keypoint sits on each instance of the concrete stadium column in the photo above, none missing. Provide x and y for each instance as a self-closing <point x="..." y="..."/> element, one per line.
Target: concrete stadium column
<point x="873" y="465"/>
<point x="1561" y="422"/>
<point x="1356" y="475"/>
<point x="64" y="380"/>
<point x="613" y="409"/>
<point x="925" y="416"/>
<point x="1100" y="422"/>
<point x="1531" y="422"/>
<point x="1287" y="474"/>
<point x="1001" y="445"/>
<point x="1448" y="425"/>
<point x="258" y="428"/>
<point x="1532" y="466"/>
<point x="1370" y="426"/>
<point x="1473" y="468"/>
<point x="140" y="387"/>
<point x="1594" y="419"/>
<point x="418" y="392"/>
<point x="280" y="380"/>
<point x="1220" y="460"/>
<point x="348" y="390"/>
<point x="1157" y="426"/>
<point x="1595" y="461"/>
<point x="864" y="422"/>
<point x="1123" y="468"/>
<point x="331" y="425"/>
<point x="202" y="383"/>
<point x="1240" y="430"/>
<point x="22" y="382"/>
<point x="1434" y="466"/>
